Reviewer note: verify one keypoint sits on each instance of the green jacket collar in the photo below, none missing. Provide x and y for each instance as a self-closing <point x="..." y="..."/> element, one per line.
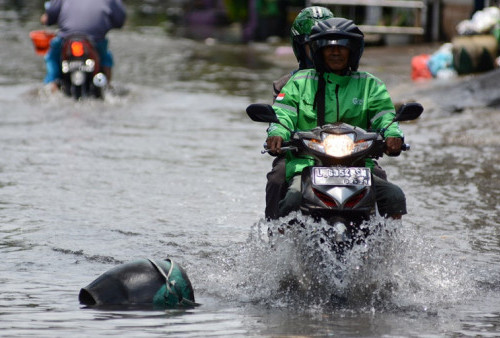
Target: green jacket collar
<point x="341" y="80"/>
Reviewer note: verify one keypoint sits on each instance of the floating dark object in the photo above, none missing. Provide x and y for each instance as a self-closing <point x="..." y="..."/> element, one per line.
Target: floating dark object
<point x="145" y="282"/>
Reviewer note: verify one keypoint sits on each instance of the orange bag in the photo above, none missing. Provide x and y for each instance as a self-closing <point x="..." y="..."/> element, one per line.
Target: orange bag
<point x="41" y="41"/>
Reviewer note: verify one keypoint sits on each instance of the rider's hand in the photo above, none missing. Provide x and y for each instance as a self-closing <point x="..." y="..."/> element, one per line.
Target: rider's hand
<point x="274" y="144"/>
<point x="393" y="146"/>
<point x="44" y="18"/>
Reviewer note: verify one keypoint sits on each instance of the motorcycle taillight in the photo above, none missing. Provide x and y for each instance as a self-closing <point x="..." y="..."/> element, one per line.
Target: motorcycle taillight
<point x="329" y="202"/>
<point x="353" y="201"/>
<point x="77" y="48"/>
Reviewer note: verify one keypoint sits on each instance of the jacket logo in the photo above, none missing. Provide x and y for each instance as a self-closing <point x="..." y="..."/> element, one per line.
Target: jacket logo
<point x="357" y="102"/>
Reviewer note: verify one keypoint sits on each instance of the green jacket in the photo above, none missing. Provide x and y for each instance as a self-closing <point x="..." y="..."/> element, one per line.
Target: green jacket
<point x="359" y="99"/>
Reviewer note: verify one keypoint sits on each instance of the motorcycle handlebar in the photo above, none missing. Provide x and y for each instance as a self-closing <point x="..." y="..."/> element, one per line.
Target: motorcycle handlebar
<point x="285" y="147"/>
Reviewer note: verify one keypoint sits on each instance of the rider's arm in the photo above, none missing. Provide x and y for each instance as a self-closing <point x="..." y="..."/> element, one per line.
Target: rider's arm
<point x="274" y="142"/>
<point x="381" y="110"/>
<point x="286" y="109"/>
<point x="381" y="114"/>
<point x="53" y="12"/>
<point x="118" y="14"/>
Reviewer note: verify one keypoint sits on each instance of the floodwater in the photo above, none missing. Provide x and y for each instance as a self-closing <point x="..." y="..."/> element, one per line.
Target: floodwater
<point x="170" y="167"/>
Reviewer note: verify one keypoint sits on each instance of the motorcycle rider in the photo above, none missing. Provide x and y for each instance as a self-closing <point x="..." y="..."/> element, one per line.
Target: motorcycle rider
<point x="91" y="17"/>
<point x="299" y="33"/>
<point x="334" y="91"/>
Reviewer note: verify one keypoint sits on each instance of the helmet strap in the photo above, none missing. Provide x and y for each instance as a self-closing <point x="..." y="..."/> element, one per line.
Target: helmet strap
<point x="319" y="99"/>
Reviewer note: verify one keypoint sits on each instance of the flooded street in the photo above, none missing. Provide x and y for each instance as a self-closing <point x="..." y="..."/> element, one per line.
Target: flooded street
<point x="170" y="167"/>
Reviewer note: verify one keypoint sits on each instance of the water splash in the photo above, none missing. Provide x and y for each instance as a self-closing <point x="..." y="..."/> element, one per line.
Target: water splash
<point x="396" y="268"/>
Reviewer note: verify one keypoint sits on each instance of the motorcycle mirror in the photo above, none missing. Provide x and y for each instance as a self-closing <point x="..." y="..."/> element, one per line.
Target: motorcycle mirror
<point x="260" y="112"/>
<point x="409" y="111"/>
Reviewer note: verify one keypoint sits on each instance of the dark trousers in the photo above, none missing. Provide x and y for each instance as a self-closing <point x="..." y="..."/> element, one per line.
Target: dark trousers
<point x="391" y="199"/>
<point x="276" y="187"/>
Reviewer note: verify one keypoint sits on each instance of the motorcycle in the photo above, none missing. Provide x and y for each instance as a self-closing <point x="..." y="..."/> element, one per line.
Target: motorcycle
<point x="338" y="188"/>
<point x="81" y="74"/>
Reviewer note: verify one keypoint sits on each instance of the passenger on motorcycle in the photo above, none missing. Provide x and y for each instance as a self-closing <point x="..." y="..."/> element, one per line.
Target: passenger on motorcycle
<point x="334" y="91"/>
<point x="299" y="33"/>
<point x="90" y="17"/>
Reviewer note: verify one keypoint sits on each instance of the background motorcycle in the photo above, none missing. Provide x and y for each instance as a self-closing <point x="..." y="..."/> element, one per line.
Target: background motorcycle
<point x="80" y="68"/>
<point x="338" y="187"/>
<point x="81" y="74"/>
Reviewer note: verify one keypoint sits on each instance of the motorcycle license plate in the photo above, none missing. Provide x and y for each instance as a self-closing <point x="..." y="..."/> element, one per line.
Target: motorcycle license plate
<point x="341" y="176"/>
<point x="75" y="65"/>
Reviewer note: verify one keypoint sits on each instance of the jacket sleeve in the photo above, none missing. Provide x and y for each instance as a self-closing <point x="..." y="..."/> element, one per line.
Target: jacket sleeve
<point x="381" y="110"/>
<point x="286" y="107"/>
<point x="53" y="12"/>
<point x="118" y="14"/>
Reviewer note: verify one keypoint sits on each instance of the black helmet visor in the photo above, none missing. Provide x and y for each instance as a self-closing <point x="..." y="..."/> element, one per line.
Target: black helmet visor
<point x="332" y="42"/>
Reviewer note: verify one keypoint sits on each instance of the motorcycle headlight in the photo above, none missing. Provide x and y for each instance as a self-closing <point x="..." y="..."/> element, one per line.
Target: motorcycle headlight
<point x="338" y="145"/>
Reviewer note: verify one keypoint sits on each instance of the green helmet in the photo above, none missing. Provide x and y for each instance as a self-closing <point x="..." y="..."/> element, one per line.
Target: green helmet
<point x="301" y="29"/>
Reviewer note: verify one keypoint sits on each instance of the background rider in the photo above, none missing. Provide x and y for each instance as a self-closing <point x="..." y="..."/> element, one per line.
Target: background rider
<point x="94" y="18"/>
